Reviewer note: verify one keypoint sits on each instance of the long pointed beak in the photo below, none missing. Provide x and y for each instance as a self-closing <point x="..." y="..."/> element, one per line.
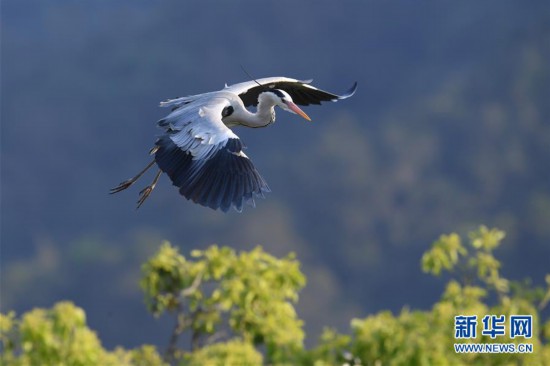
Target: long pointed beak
<point x="294" y="108"/>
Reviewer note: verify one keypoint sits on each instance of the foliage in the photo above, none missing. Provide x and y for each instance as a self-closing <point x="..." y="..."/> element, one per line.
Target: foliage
<point x="233" y="352"/>
<point x="238" y="309"/>
<point x="427" y="337"/>
<point x="450" y="254"/>
<point x="219" y="291"/>
<point x="59" y="336"/>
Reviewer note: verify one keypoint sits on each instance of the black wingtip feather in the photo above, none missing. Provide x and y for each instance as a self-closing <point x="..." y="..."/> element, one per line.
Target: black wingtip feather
<point x="227" y="179"/>
<point x="350" y="92"/>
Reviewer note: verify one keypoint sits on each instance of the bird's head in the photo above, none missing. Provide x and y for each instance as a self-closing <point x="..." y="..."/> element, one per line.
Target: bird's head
<point x="284" y="100"/>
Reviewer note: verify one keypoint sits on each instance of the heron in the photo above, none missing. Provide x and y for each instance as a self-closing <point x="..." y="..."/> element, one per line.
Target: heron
<point x="201" y="154"/>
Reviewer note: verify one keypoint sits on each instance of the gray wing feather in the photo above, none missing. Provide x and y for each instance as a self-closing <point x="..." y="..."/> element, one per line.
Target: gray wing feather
<point x="204" y="158"/>
<point x="196" y="126"/>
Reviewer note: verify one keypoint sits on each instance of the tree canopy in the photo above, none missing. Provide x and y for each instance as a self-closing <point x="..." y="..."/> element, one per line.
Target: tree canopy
<point x="237" y="308"/>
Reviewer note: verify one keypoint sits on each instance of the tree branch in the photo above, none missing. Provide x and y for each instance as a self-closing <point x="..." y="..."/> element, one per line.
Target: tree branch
<point x="196" y="283"/>
<point x="182" y="322"/>
<point x="216" y="336"/>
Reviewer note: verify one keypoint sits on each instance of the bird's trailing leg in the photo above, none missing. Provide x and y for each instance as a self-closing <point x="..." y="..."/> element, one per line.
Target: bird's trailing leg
<point x="145" y="192"/>
<point x="127" y="183"/>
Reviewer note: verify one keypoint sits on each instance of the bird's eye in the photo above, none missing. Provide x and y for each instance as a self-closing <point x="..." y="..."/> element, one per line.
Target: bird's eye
<point x="227" y="111"/>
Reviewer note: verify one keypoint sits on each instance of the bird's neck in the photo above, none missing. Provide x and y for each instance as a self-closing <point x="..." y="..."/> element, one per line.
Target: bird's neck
<point x="265" y="113"/>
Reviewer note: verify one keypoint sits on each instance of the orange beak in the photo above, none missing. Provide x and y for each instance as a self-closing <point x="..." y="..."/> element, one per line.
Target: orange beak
<point x="294" y="108"/>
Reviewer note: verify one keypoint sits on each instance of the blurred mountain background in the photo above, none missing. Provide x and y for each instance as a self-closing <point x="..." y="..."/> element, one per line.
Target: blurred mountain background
<point x="449" y="129"/>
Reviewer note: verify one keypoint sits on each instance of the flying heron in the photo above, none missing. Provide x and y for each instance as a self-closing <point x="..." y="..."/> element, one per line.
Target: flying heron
<point x="204" y="158"/>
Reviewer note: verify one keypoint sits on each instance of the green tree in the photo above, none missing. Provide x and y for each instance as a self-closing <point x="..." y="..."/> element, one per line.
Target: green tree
<point x="427" y="337"/>
<point x="237" y="309"/>
<point x="221" y="294"/>
<point x="60" y="336"/>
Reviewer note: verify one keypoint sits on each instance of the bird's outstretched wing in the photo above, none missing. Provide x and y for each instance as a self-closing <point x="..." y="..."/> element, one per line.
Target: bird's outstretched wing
<point x="204" y="158"/>
<point x="301" y="91"/>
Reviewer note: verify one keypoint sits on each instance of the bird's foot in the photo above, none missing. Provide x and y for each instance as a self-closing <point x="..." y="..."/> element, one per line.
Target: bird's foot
<point x="127" y="183"/>
<point x="122" y="186"/>
<point x="144" y="194"/>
